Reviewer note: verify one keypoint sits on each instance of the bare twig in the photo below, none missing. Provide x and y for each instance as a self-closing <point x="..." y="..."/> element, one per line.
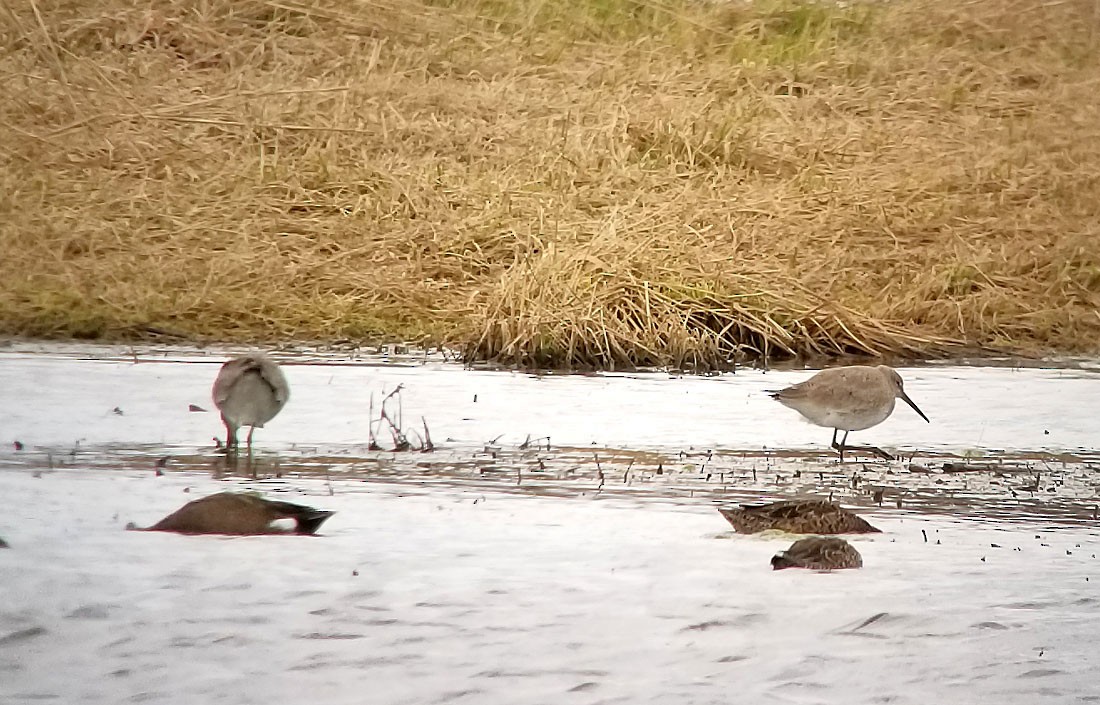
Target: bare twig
<point x="428" y="445"/>
<point x="372" y="439"/>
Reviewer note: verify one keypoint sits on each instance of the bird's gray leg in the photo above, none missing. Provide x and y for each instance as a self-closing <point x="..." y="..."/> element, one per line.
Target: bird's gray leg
<point x="231" y="447"/>
<point x="230" y="436"/>
<point x="842" y="442"/>
<point x="251" y="468"/>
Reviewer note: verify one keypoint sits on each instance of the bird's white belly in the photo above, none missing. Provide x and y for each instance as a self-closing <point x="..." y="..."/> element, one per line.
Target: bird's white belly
<point x="844" y="419"/>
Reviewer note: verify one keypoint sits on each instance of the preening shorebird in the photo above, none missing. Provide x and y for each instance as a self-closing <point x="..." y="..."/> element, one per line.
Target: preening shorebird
<point x="249" y="391"/>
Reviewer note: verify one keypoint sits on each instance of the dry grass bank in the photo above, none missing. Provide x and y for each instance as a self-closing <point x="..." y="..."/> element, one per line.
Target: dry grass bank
<point x="554" y="182"/>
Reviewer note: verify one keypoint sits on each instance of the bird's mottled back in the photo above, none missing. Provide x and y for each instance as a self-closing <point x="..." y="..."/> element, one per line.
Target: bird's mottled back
<point x="818" y="553"/>
<point x="796" y="517"/>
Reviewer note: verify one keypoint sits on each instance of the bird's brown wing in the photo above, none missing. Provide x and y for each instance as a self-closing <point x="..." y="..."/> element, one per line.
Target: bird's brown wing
<point x="789" y="509"/>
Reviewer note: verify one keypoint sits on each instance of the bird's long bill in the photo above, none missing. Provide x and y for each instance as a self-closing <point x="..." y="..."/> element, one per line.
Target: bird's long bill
<point x="905" y="398"/>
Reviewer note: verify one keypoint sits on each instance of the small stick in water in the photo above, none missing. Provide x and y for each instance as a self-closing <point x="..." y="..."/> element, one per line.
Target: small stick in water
<point x="428" y="445"/>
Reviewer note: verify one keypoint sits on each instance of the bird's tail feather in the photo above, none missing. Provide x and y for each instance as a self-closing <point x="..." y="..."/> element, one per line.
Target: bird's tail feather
<point x="308" y="523"/>
<point x="308" y="519"/>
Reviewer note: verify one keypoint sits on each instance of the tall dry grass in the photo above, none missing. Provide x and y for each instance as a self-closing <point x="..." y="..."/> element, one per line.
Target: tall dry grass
<point x="555" y="182"/>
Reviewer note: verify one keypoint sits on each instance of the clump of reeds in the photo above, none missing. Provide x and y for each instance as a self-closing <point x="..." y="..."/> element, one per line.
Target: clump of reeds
<point x="609" y="303"/>
<point x="393" y="422"/>
<point x="555" y="183"/>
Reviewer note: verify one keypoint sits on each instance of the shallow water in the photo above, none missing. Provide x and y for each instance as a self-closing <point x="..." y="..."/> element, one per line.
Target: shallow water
<point x="99" y="396"/>
<point x="592" y="570"/>
<point x="446" y="594"/>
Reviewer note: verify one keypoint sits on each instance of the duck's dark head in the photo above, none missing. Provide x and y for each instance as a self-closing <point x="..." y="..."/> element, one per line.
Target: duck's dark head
<point x="781" y="561"/>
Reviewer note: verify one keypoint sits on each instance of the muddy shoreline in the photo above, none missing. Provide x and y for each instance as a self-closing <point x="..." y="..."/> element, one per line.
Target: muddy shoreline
<point x="1004" y="442"/>
<point x="1055" y="489"/>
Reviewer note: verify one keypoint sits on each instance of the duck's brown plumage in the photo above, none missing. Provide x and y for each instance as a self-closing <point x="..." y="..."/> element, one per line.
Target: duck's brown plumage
<point x="818" y="553"/>
<point x="800" y="516"/>
<point x="239" y="514"/>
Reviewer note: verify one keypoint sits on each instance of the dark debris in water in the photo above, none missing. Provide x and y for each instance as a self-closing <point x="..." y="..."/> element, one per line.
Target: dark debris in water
<point x="930" y="484"/>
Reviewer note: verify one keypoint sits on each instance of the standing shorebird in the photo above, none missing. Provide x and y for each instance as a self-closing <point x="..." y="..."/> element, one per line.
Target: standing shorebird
<point x="848" y="399"/>
<point x="818" y="553"/>
<point x="249" y="391"/>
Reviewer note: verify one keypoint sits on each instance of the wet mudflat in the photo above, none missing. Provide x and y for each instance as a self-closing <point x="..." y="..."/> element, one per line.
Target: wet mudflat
<point x="504" y="568"/>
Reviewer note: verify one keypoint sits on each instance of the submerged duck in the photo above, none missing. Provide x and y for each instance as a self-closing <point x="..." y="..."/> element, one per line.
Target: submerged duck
<point x="249" y="391"/>
<point x="4" y="544"/>
<point x="818" y="553"/>
<point x="239" y="514"/>
<point x="798" y="516"/>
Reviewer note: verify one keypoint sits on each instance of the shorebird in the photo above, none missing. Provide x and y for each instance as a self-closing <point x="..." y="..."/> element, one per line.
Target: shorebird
<point x="249" y="391"/>
<point x="848" y="399"/>
<point x="797" y="516"/>
<point x="818" y="553"/>
<point x="238" y="514"/>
